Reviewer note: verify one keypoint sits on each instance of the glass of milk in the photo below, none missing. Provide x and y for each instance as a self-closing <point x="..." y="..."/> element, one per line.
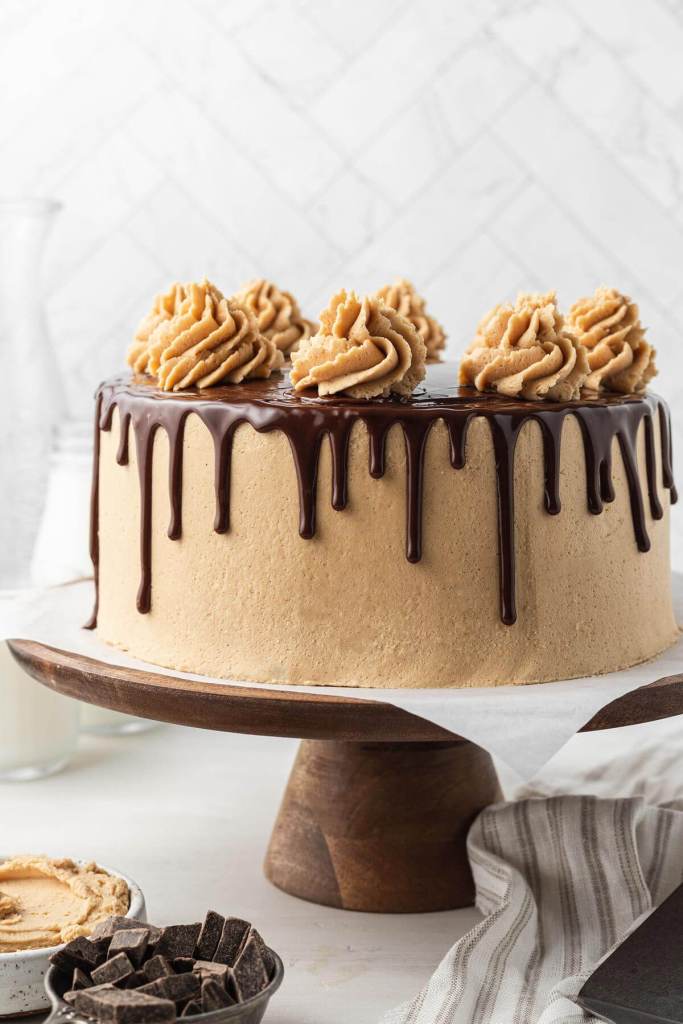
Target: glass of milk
<point x="38" y="728"/>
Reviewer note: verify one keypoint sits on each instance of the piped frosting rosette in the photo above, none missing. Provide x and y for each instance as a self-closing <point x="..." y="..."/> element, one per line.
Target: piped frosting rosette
<point x="524" y="351"/>
<point x="165" y="307"/>
<point x="608" y="325"/>
<point x="204" y="340"/>
<point x="363" y="349"/>
<point x="277" y="313"/>
<point x="402" y="297"/>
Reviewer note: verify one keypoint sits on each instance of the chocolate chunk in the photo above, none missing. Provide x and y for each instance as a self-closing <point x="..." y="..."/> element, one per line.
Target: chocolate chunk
<point x="106" y="929"/>
<point x="80" y="980"/>
<point x="70" y="997"/>
<point x="183" y="964"/>
<point x="134" y="980"/>
<point x="233" y="936"/>
<point x="215" y="996"/>
<point x="209" y="969"/>
<point x="157" y="967"/>
<point x="178" y="940"/>
<point x="131" y="941"/>
<point x="266" y="954"/>
<point x="249" y="974"/>
<point x="177" y="987"/>
<point x="121" y="1006"/>
<point x="210" y="936"/>
<point x="116" y="969"/>
<point x="194" y="1006"/>
<point x="79" y="952"/>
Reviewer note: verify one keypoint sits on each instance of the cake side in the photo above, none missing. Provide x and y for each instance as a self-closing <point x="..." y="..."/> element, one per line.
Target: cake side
<point x="343" y="604"/>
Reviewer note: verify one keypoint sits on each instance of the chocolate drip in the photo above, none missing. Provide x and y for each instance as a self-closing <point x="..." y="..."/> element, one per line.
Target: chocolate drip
<point x="95" y="511"/>
<point x="306" y="452"/>
<point x="340" y="437"/>
<point x="552" y="440"/>
<point x="222" y="431"/>
<point x="656" y="510"/>
<point x="122" y="452"/>
<point x="667" y="452"/>
<point x="306" y="421"/>
<point x="377" y="432"/>
<point x="598" y="452"/>
<point x="415" y="433"/>
<point x="457" y="436"/>
<point x="505" y="430"/>
<point x="144" y="444"/>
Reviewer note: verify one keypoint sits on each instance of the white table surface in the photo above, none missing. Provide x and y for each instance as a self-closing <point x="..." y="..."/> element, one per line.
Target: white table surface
<point x="188" y="813"/>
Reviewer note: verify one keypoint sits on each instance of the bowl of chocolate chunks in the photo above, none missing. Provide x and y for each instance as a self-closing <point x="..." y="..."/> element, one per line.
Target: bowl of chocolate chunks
<point x="131" y="972"/>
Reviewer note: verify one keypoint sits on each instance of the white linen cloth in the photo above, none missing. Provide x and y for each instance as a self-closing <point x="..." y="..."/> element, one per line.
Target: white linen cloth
<point x="560" y="881"/>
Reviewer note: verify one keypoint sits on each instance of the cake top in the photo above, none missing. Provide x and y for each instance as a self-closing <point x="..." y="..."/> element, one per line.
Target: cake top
<point x="439" y="390"/>
<point x="368" y="348"/>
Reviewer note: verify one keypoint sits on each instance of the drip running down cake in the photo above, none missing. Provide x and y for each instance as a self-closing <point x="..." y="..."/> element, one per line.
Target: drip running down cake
<point x="363" y="515"/>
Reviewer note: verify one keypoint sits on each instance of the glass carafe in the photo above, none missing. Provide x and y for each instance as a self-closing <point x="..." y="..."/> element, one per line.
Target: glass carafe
<point x="32" y="401"/>
<point x="38" y="728"/>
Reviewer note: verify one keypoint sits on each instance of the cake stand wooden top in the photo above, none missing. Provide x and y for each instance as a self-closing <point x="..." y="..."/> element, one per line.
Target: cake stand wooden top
<point x="264" y="712"/>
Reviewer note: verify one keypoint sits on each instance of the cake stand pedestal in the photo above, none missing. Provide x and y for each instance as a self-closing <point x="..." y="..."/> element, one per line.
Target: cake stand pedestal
<point x="379" y="801"/>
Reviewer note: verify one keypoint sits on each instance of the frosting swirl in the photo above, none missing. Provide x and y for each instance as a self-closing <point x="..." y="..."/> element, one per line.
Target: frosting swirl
<point x="277" y="313"/>
<point x="608" y="325"/>
<point x="166" y="305"/>
<point x="524" y="350"/>
<point x="364" y="349"/>
<point x="206" y="340"/>
<point x="402" y="297"/>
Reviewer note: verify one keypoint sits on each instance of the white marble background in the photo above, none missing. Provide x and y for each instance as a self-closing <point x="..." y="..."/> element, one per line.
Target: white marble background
<point x="477" y="146"/>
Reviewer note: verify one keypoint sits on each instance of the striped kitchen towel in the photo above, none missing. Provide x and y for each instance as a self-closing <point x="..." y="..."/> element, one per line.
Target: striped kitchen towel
<point x="560" y="881"/>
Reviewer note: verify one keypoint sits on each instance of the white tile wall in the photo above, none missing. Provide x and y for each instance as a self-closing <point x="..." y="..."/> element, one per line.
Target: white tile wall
<point x="478" y="146"/>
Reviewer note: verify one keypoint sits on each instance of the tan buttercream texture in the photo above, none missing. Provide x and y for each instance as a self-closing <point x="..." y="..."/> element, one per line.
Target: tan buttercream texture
<point x="347" y="608"/>
<point x="277" y="313"/>
<point x="364" y="349"/>
<point x="524" y="350"/>
<point x="165" y="307"/>
<point x="194" y="336"/>
<point x="44" y="902"/>
<point x="8" y="906"/>
<point x="402" y="297"/>
<point x="608" y="325"/>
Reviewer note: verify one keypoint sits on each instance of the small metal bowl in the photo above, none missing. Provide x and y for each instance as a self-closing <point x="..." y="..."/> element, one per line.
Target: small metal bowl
<point x="249" y="1012"/>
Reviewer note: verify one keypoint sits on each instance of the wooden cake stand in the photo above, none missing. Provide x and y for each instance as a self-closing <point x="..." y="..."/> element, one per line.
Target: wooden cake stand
<point x="379" y="801"/>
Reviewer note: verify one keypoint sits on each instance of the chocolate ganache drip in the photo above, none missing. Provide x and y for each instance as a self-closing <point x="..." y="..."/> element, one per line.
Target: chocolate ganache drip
<point x="306" y="421"/>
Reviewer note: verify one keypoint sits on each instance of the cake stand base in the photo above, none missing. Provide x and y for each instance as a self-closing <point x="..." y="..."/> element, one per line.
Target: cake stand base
<point x="381" y="826"/>
<point x="379" y="801"/>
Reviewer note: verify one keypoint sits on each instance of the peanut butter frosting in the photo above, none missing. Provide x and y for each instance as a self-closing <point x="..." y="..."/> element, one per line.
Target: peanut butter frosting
<point x="402" y="297"/>
<point x="277" y="313"/>
<point x="525" y="351"/>
<point x="364" y="349"/>
<point x="45" y="902"/>
<point x="9" y="907"/>
<point x="194" y="336"/>
<point x="608" y="325"/>
<point x="166" y="305"/>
